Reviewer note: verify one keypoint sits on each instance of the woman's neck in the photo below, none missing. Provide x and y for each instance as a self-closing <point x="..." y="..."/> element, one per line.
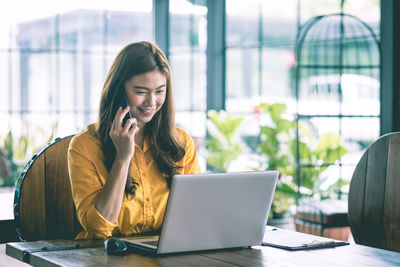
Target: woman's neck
<point x="139" y="138"/>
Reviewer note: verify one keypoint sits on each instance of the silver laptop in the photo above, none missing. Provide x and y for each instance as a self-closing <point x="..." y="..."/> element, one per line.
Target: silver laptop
<point x="213" y="211"/>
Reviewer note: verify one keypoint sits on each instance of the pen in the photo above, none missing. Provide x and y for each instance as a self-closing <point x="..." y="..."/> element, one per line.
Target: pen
<point x="316" y="244"/>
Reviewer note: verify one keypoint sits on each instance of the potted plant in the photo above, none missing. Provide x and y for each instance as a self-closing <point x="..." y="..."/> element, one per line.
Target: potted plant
<point x="278" y="147"/>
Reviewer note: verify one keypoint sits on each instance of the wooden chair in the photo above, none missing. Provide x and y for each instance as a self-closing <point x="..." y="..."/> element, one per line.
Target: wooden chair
<point x="43" y="205"/>
<point x="374" y="196"/>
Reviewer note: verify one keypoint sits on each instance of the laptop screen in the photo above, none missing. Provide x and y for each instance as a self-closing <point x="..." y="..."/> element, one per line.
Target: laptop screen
<point x="214" y="211"/>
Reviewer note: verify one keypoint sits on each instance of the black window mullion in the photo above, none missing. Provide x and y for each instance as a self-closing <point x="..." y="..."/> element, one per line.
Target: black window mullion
<point x="390" y="67"/>
<point x="216" y="55"/>
<point x="161" y="24"/>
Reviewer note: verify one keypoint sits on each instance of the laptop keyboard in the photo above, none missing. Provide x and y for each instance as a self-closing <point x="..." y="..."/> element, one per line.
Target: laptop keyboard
<point x="151" y="243"/>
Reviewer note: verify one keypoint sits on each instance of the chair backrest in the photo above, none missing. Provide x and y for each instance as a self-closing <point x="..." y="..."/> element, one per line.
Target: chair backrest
<point x="374" y="196"/>
<point x="43" y="205"/>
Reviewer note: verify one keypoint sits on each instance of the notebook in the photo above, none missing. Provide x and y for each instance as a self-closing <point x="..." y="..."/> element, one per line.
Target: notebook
<point x="213" y="211"/>
<point x="285" y="239"/>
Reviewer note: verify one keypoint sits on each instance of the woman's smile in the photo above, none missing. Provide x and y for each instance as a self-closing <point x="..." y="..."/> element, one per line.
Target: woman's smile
<point x="147" y="111"/>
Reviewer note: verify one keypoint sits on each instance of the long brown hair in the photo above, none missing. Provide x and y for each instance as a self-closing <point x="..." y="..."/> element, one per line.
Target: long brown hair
<point x="134" y="59"/>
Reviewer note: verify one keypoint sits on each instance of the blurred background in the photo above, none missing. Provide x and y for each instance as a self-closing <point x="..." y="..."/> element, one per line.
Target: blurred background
<point x="240" y="88"/>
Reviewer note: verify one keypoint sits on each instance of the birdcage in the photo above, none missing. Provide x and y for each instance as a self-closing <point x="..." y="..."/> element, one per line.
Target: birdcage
<point x="337" y="90"/>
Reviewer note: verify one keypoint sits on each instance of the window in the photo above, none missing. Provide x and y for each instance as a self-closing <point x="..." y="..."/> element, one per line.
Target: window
<point x="260" y="67"/>
<point x="54" y="58"/>
<point x="260" y="38"/>
<point x="187" y="57"/>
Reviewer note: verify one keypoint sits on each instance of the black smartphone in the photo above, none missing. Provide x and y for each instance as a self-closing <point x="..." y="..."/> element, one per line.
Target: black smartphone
<point x="124" y="103"/>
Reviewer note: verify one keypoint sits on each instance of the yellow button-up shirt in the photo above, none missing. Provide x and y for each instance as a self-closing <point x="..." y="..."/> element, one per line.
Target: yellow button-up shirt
<point x="88" y="175"/>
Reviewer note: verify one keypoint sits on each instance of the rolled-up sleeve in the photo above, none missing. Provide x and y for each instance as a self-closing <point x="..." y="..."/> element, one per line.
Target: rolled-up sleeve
<point x="86" y="183"/>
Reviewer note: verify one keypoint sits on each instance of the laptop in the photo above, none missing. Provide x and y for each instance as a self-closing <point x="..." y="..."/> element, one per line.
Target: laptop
<point x="212" y="211"/>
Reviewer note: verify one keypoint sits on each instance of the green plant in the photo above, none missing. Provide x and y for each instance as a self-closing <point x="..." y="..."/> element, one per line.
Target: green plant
<point x="19" y="150"/>
<point x="222" y="144"/>
<point x="318" y="155"/>
<point x="279" y="147"/>
<point x="275" y="140"/>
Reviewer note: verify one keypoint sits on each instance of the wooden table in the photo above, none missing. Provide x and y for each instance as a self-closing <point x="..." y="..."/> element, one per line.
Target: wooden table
<point x="350" y="255"/>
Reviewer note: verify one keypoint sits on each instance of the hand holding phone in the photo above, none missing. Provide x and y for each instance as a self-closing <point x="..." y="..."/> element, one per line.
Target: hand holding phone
<point x="128" y="115"/>
<point x="123" y="137"/>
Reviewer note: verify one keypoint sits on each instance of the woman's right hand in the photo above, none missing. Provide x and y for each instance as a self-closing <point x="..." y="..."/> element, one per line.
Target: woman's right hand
<point x="123" y="138"/>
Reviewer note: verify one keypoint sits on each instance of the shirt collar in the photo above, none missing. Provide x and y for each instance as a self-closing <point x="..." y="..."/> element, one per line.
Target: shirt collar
<point x="146" y="145"/>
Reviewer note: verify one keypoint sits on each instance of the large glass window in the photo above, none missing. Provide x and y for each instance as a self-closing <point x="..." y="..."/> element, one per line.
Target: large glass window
<point x="259" y="62"/>
<point x="260" y="68"/>
<point x="54" y="58"/>
<point x="188" y="60"/>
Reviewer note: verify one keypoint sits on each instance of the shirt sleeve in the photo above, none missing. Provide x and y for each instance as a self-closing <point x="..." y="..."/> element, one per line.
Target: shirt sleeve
<point x="86" y="184"/>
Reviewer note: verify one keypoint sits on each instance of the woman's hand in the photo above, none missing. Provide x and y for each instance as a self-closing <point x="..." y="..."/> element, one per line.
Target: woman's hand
<point x="123" y="138"/>
<point x="109" y="200"/>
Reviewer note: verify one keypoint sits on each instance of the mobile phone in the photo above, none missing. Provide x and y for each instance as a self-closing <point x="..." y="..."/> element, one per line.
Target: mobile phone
<point x="128" y="115"/>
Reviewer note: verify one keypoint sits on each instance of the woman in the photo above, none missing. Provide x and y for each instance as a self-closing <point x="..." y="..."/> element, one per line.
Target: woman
<point x="121" y="170"/>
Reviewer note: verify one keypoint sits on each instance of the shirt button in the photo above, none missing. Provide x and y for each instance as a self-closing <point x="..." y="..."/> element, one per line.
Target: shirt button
<point x="147" y="199"/>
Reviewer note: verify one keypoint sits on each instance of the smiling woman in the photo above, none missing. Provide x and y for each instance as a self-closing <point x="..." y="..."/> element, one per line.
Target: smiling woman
<point x="121" y="173"/>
